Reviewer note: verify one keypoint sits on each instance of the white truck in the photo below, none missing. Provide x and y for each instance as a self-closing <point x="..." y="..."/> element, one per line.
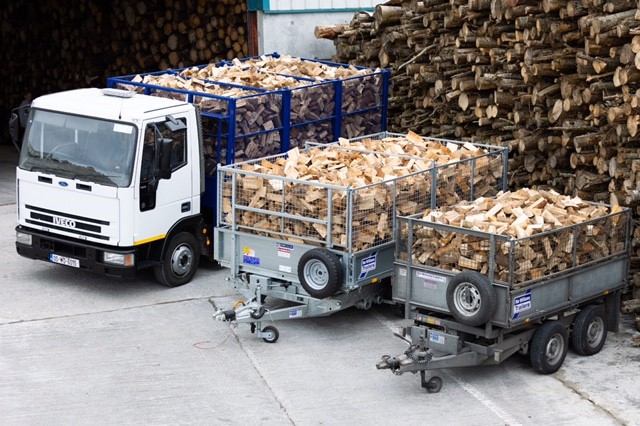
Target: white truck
<point x="111" y="182"/>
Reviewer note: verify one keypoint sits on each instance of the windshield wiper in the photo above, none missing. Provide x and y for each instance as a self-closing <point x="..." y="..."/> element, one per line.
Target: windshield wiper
<point x="40" y="169"/>
<point x="97" y="177"/>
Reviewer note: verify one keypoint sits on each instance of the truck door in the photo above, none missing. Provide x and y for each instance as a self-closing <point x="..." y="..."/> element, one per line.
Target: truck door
<point x="163" y="200"/>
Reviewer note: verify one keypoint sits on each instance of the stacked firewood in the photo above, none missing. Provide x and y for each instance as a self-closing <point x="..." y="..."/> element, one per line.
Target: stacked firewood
<point x="555" y="81"/>
<point x="315" y="98"/>
<point x="255" y="112"/>
<point x="312" y="99"/>
<point x="48" y="47"/>
<point x="314" y="186"/>
<point x="561" y="222"/>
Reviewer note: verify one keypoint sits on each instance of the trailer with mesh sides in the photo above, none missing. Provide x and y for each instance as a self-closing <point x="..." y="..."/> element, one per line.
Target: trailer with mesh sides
<point x="322" y="246"/>
<point x="487" y="312"/>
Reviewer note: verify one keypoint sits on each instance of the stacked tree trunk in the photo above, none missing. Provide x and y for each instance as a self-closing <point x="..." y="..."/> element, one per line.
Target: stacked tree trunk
<point x="555" y="81"/>
<point x="49" y="46"/>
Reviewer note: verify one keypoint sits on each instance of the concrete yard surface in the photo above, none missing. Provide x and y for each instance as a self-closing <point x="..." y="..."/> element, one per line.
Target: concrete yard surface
<point x="77" y="348"/>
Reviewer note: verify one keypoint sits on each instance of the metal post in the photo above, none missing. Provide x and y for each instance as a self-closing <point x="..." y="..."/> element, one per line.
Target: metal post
<point x="407" y="307"/>
<point x="386" y="75"/>
<point x="285" y="143"/>
<point x="337" y="109"/>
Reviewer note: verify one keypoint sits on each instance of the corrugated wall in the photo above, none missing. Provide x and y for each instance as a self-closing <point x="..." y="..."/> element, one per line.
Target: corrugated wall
<point x="312" y="5"/>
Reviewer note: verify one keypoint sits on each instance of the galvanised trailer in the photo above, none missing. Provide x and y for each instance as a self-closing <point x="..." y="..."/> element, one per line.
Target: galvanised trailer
<point x="469" y="318"/>
<point x="334" y="254"/>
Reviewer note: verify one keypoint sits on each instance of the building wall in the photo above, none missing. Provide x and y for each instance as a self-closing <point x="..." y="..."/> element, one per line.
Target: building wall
<point x="292" y="34"/>
<point x="309" y="5"/>
<point x="287" y="26"/>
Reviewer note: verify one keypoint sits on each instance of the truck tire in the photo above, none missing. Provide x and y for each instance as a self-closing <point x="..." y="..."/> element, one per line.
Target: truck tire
<point x="589" y="330"/>
<point x="320" y="273"/>
<point x="471" y="298"/>
<point x="549" y="347"/>
<point x="180" y="261"/>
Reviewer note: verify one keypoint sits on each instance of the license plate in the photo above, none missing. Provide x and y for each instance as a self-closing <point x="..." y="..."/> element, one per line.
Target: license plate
<point x="63" y="260"/>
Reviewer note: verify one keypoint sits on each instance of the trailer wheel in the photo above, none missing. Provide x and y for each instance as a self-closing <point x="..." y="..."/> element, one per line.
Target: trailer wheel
<point x="270" y="334"/>
<point x="549" y="347"/>
<point x="434" y="384"/>
<point x="589" y="330"/>
<point x="180" y="261"/>
<point x="471" y="298"/>
<point x="320" y="272"/>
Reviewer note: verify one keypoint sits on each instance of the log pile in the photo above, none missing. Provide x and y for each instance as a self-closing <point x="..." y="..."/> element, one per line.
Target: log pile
<point x="555" y="81"/>
<point x="49" y="48"/>
<point x="319" y="183"/>
<point x="519" y="217"/>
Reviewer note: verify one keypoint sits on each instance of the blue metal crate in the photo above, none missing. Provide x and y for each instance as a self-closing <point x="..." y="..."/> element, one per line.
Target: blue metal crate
<point x="254" y="122"/>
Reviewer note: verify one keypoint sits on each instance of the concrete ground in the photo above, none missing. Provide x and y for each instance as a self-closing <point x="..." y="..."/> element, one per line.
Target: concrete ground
<point x="76" y="348"/>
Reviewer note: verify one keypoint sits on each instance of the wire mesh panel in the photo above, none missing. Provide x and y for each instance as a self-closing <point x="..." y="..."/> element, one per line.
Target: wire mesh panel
<point x="313" y="113"/>
<point x="342" y="196"/>
<point x="362" y="122"/>
<point x="470" y="178"/>
<point x="461" y="170"/>
<point x="361" y="92"/>
<point x="518" y="262"/>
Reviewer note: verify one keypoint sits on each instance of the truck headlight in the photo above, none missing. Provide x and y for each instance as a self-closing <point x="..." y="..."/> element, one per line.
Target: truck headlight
<point x="119" y="259"/>
<point x="23" y="238"/>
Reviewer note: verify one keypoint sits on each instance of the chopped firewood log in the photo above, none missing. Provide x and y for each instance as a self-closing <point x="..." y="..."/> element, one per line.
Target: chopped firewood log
<point x="367" y="178"/>
<point x="537" y="233"/>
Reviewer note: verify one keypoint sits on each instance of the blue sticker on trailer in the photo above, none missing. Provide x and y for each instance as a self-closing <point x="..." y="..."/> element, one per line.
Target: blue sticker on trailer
<point x="521" y="303"/>
<point x="368" y="264"/>
<point x="251" y="260"/>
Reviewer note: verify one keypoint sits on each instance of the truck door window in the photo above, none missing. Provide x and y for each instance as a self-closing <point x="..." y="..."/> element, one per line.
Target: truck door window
<point x="153" y="134"/>
<point x="179" y="138"/>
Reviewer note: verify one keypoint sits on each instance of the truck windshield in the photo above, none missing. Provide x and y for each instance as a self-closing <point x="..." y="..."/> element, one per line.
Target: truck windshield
<point x="76" y="147"/>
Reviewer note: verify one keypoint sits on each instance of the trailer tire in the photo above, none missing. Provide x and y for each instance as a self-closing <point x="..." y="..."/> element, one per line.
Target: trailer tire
<point x="471" y="298"/>
<point x="589" y="330"/>
<point x="180" y="261"/>
<point x="549" y="347"/>
<point x="270" y="334"/>
<point x="320" y="272"/>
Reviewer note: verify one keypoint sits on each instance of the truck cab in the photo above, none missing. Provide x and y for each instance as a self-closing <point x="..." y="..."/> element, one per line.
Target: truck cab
<point x="110" y="181"/>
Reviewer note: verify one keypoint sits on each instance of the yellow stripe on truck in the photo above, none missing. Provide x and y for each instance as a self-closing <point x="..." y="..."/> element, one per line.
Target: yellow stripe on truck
<point x="148" y="240"/>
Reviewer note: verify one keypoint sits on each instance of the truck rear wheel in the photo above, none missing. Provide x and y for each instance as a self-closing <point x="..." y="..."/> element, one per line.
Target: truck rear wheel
<point x="180" y="261"/>
<point x="320" y="272"/>
<point x="471" y="298"/>
<point x="549" y="347"/>
<point x="589" y="330"/>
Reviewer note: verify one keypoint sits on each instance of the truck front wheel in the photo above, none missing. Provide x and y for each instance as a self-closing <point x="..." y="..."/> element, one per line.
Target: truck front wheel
<point x="180" y="261"/>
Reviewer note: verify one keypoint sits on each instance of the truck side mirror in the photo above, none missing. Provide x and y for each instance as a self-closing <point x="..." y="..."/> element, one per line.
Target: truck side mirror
<point x="166" y="150"/>
<point x="14" y="129"/>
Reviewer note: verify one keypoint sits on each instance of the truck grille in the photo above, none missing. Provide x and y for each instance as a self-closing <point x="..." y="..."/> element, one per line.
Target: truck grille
<point x="66" y="222"/>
